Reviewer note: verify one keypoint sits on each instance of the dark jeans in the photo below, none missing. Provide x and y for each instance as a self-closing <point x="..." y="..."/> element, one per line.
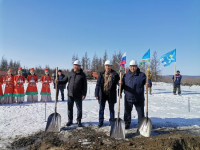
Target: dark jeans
<point x="175" y="87"/>
<point x="70" y="103"/>
<point x="150" y="83"/>
<point x="61" y="89"/>
<point x="128" y="108"/>
<point x="102" y="107"/>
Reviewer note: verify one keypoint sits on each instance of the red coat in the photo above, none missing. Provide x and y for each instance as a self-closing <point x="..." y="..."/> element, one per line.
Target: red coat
<point x="1" y="83"/>
<point x="45" y="80"/>
<point x="9" y="87"/>
<point x="19" y="86"/>
<point x="32" y="86"/>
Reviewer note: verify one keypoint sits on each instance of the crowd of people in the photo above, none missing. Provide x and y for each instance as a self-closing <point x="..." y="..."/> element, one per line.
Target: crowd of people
<point x="133" y="84"/>
<point x="14" y="91"/>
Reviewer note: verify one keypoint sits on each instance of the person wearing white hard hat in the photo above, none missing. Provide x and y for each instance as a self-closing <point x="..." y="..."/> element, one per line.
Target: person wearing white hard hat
<point x="133" y="85"/>
<point x="77" y="89"/>
<point x="106" y="91"/>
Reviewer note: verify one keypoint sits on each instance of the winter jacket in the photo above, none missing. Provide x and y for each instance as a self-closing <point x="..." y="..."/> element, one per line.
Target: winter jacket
<point x="133" y="86"/>
<point x="150" y="77"/>
<point x="178" y="79"/>
<point x="77" y="84"/>
<point x="60" y="83"/>
<point x="113" y="85"/>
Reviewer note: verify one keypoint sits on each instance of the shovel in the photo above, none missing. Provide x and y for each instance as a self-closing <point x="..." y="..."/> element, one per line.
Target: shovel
<point x="54" y="120"/>
<point x="118" y="126"/>
<point x="145" y="123"/>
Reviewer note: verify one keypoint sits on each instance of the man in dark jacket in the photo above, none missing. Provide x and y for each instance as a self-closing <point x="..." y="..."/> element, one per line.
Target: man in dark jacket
<point x="106" y="91"/>
<point x="77" y="89"/>
<point x="177" y="82"/>
<point x="133" y="85"/>
<point x="61" y="86"/>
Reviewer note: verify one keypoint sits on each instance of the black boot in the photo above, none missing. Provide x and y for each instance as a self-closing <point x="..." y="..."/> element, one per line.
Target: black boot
<point x="127" y="126"/>
<point x="79" y="123"/>
<point x="100" y="124"/>
<point x="69" y="123"/>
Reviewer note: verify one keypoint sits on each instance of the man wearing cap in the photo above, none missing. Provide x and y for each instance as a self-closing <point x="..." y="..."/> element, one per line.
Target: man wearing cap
<point x="150" y="77"/>
<point x="177" y="82"/>
<point x="19" y="81"/>
<point x="106" y="91"/>
<point x="133" y="85"/>
<point x="60" y="86"/>
<point x="77" y="90"/>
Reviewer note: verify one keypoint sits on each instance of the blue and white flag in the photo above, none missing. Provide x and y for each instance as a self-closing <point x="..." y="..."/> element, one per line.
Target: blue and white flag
<point x="145" y="58"/>
<point x="168" y="58"/>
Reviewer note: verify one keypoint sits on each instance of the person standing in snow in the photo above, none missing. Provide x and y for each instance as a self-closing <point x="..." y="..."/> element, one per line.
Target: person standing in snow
<point x="19" y="87"/>
<point x="45" y="91"/>
<point x="77" y="90"/>
<point x="31" y="91"/>
<point x="177" y="82"/>
<point x="106" y="91"/>
<point x="60" y="86"/>
<point x="133" y="85"/>
<point x="1" y="91"/>
<point x="9" y="88"/>
<point x="150" y="77"/>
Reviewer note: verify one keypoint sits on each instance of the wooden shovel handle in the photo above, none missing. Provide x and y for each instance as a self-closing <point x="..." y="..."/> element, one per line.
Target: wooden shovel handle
<point x="147" y="80"/>
<point x="120" y="74"/>
<point x="56" y="88"/>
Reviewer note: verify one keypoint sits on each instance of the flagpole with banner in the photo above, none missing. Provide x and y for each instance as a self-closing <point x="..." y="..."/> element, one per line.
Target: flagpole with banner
<point x="168" y="58"/>
<point x="145" y="58"/>
<point x="123" y="62"/>
<point x="174" y="70"/>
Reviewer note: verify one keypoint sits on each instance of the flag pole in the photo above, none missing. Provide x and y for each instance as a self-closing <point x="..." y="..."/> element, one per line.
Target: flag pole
<point x="174" y="67"/>
<point x="174" y="71"/>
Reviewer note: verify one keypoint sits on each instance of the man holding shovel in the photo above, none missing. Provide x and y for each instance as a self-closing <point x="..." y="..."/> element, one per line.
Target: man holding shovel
<point x="77" y="89"/>
<point x="133" y="85"/>
<point x="106" y="91"/>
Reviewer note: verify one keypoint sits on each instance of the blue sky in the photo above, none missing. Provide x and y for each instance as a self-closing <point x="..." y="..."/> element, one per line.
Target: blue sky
<point x="40" y="32"/>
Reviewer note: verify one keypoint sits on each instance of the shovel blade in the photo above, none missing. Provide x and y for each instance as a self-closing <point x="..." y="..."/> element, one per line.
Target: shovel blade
<point x="145" y="126"/>
<point x="53" y="123"/>
<point x="117" y="129"/>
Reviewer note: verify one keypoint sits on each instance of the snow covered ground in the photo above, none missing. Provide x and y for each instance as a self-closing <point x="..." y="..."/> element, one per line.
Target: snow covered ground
<point x="165" y="110"/>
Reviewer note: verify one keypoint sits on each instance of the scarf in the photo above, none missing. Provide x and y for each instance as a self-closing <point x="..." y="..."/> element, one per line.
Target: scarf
<point x="107" y="79"/>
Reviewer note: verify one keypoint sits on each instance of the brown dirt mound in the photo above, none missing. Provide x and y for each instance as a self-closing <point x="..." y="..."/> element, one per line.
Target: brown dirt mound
<point x="87" y="138"/>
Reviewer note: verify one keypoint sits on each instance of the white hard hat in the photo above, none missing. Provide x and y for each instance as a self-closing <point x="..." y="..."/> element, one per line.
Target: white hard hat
<point x="108" y="62"/>
<point x="133" y="62"/>
<point x="77" y="62"/>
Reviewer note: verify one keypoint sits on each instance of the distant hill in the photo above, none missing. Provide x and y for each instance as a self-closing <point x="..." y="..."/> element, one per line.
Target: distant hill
<point x="184" y="76"/>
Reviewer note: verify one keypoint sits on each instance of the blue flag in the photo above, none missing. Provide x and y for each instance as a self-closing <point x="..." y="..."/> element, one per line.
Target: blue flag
<point x="168" y="58"/>
<point x="145" y="58"/>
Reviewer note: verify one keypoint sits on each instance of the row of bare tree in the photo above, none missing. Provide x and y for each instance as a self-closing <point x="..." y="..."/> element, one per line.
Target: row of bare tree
<point x="96" y="64"/>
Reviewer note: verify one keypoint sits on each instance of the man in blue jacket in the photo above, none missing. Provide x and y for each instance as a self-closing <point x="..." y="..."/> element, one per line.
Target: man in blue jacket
<point x="177" y="82"/>
<point x="60" y="87"/>
<point x="106" y="91"/>
<point x="133" y="85"/>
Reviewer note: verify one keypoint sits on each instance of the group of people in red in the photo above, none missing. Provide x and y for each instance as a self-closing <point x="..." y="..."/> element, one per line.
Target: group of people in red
<point x="14" y="87"/>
